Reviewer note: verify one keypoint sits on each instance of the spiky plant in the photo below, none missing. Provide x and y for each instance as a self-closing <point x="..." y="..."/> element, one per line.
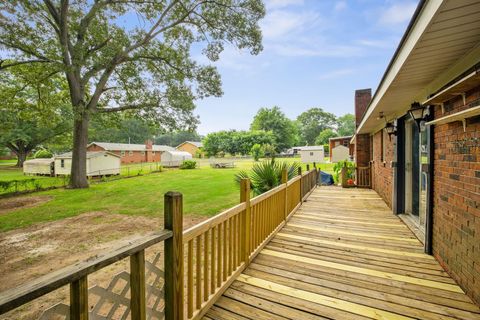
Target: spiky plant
<point x="267" y="175"/>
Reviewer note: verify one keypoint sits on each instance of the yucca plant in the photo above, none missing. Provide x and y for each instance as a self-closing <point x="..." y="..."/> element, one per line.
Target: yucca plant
<point x="267" y="175"/>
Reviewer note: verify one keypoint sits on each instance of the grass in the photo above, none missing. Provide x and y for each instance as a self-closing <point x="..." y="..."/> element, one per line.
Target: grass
<point x="206" y="191"/>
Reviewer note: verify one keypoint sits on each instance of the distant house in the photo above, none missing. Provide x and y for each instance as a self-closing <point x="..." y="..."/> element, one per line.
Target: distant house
<point x="174" y="158"/>
<point x="341" y="149"/>
<point x="190" y="146"/>
<point x="309" y="154"/>
<point x="99" y="163"/>
<point x="42" y="167"/>
<point x="132" y="153"/>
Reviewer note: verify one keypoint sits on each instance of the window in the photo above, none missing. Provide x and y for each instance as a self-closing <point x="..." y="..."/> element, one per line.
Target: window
<point x="345" y="143"/>
<point x="130" y="153"/>
<point x="62" y="163"/>
<point x="122" y="153"/>
<point x="311" y="154"/>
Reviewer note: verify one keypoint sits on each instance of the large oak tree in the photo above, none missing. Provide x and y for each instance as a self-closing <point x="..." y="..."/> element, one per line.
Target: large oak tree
<point x="132" y="55"/>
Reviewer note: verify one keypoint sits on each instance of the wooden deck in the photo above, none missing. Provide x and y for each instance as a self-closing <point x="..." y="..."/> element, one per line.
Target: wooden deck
<point x="343" y="255"/>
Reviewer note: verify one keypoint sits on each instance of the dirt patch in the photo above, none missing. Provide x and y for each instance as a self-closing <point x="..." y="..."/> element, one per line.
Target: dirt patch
<point x="11" y="204"/>
<point x="37" y="250"/>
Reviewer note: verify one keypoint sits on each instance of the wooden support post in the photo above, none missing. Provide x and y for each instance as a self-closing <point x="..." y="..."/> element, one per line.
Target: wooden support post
<point x="246" y="232"/>
<point x="79" y="299"/>
<point x="285" y="180"/>
<point x="137" y="286"/>
<point x="343" y="176"/>
<point x="301" y="184"/>
<point x="173" y="220"/>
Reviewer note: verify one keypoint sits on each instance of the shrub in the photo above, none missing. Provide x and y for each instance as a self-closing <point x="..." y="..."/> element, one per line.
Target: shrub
<point x="256" y="151"/>
<point x="188" y="164"/>
<point x="267" y="175"/>
<point x="43" y="153"/>
<point x="337" y="168"/>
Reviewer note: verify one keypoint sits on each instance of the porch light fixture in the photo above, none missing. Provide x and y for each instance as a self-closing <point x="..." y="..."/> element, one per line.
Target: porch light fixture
<point x="391" y="129"/>
<point x="417" y="112"/>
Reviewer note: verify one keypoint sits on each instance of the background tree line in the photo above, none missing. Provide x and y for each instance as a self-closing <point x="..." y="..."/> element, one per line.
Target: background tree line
<point x="271" y="128"/>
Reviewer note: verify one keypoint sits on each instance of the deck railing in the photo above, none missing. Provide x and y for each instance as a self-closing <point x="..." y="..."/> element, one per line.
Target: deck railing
<point x="363" y="177"/>
<point x="200" y="263"/>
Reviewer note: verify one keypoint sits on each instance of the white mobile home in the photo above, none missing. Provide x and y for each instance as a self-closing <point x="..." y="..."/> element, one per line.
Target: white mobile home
<point x="44" y="167"/>
<point x="311" y="154"/>
<point x="174" y="158"/>
<point x="99" y="163"/>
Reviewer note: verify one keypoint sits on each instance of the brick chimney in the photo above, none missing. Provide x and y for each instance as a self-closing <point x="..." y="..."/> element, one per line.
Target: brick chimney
<point x="148" y="144"/>
<point x="362" y="99"/>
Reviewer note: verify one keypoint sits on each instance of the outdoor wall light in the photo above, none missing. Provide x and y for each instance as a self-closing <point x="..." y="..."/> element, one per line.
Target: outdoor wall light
<point x="391" y="129"/>
<point x="418" y="113"/>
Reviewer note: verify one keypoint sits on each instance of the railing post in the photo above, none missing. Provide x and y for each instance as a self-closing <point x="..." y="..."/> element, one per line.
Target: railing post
<point x="137" y="286"/>
<point x="301" y="184"/>
<point x="79" y="299"/>
<point x="344" y="176"/>
<point x="173" y="220"/>
<point x="285" y="181"/>
<point x="247" y="221"/>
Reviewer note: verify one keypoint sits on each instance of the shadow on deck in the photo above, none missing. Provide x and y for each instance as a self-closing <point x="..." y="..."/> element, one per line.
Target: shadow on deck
<point x="343" y="255"/>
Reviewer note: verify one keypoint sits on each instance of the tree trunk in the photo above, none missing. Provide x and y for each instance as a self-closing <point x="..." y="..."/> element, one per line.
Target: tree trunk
<point x="21" y="157"/>
<point x="78" y="178"/>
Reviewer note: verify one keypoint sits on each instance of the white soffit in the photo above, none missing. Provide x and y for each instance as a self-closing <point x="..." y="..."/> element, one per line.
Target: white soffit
<point x="444" y="32"/>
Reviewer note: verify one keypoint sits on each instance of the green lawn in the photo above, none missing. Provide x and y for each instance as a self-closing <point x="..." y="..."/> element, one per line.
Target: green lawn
<point x="206" y="192"/>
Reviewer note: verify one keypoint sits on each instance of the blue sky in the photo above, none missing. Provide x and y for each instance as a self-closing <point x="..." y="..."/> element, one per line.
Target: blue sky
<point x="316" y="53"/>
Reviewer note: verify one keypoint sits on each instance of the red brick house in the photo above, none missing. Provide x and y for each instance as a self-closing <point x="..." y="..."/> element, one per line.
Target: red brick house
<point x="420" y="134"/>
<point x="132" y="153"/>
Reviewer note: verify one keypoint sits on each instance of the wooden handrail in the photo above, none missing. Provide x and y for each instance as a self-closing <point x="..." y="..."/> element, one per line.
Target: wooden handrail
<point x="218" y="250"/>
<point x="15" y="297"/>
<point x="198" y="229"/>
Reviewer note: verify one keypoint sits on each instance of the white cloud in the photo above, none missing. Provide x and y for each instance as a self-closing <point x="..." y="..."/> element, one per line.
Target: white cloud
<point x="397" y="13"/>
<point x="277" y="24"/>
<point x="324" y="50"/>
<point x="275" y="4"/>
<point x="340" y="6"/>
<point x="377" y="43"/>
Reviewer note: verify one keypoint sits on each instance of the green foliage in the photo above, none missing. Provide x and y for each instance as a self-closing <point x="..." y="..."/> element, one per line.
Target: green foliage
<point x="312" y="122"/>
<point x="326" y="148"/>
<point x="235" y="142"/>
<point x="35" y="108"/>
<point x="143" y="68"/>
<point x="188" y="164"/>
<point x="267" y="175"/>
<point x="43" y="153"/>
<point x="324" y="136"/>
<point x="337" y="168"/>
<point x="274" y="120"/>
<point x="256" y="151"/>
<point x="131" y="130"/>
<point x="269" y="150"/>
<point x="199" y="153"/>
<point x="346" y="125"/>
<point x="174" y="139"/>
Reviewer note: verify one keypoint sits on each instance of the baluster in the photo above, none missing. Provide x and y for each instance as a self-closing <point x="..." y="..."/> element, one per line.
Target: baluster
<point x="137" y="286"/>
<point x="79" y="299"/>
<point x="206" y="252"/>
<point x="198" y="271"/>
<point x="190" y="279"/>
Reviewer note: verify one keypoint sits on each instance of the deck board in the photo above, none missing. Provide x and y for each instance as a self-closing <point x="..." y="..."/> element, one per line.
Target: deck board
<point x="350" y="260"/>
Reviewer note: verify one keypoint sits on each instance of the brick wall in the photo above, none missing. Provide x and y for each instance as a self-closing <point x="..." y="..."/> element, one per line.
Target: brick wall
<point x="382" y="171"/>
<point x="456" y="211"/>
<point x="133" y="157"/>
<point x="362" y="150"/>
<point x="362" y="100"/>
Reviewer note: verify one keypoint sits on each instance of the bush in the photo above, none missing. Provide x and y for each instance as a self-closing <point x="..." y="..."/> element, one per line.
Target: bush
<point x="188" y="164"/>
<point x="256" y="151"/>
<point x="267" y="175"/>
<point x="43" y="154"/>
<point x="337" y="168"/>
